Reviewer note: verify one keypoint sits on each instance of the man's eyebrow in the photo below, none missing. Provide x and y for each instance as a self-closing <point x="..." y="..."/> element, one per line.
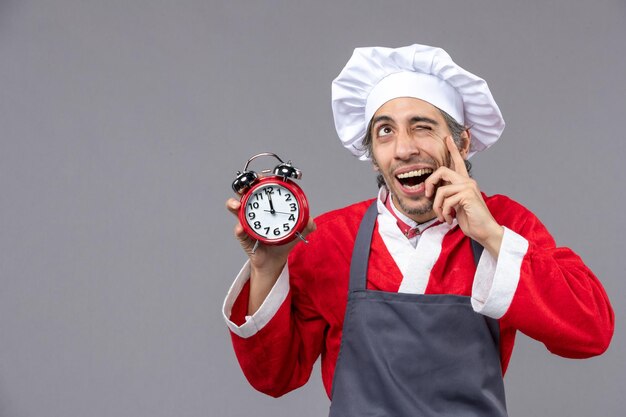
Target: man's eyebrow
<point x="423" y="119"/>
<point x="382" y="118"/>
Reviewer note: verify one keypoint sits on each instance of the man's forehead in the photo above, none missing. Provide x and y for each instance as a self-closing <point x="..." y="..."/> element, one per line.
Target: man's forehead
<point x="405" y="109"/>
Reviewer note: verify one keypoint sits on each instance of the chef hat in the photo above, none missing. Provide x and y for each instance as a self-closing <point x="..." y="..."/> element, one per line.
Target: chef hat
<point x="376" y="75"/>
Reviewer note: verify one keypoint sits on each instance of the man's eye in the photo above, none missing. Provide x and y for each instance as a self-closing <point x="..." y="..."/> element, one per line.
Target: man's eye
<point x="384" y="131"/>
<point x="423" y="131"/>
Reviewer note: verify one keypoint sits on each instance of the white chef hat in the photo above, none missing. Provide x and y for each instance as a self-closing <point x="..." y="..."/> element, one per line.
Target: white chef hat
<point x="376" y="75"/>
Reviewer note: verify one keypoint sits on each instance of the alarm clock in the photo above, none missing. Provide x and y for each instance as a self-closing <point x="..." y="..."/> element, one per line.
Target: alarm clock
<point x="274" y="209"/>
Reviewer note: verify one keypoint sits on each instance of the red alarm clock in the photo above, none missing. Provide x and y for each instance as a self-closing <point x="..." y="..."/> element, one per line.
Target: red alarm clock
<point x="274" y="209"/>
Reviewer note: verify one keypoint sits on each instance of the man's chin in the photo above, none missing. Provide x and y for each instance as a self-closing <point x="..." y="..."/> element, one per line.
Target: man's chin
<point x="420" y="210"/>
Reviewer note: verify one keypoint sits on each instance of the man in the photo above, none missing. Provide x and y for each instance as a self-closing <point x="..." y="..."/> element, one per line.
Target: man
<point x="412" y="299"/>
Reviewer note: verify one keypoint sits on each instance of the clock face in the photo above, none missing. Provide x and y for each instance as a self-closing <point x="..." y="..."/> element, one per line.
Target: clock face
<point x="272" y="211"/>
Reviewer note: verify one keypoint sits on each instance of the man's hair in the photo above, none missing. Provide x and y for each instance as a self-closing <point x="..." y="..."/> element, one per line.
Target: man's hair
<point x="456" y="129"/>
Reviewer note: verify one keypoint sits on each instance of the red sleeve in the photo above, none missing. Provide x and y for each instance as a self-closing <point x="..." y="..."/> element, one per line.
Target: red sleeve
<point x="279" y="357"/>
<point x="558" y="300"/>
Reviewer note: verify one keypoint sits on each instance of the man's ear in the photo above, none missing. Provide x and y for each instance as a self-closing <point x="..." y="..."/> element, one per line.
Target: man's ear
<point x="375" y="165"/>
<point x="466" y="140"/>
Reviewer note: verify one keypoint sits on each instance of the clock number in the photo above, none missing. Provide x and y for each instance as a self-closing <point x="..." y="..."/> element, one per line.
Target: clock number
<point x="253" y="206"/>
<point x="288" y="197"/>
<point x="276" y="231"/>
<point x="292" y="218"/>
<point x="259" y="196"/>
<point x="251" y="215"/>
<point x="267" y="230"/>
<point x="269" y="190"/>
<point x="286" y="227"/>
<point x="257" y="224"/>
<point x="279" y="191"/>
<point x="293" y="206"/>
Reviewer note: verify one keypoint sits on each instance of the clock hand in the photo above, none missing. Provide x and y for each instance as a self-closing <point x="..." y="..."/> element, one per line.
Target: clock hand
<point x="279" y="212"/>
<point x="269" y="196"/>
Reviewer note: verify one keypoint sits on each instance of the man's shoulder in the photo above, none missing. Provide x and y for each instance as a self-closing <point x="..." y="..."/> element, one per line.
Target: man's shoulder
<point x="506" y="210"/>
<point x="351" y="214"/>
<point x="334" y="230"/>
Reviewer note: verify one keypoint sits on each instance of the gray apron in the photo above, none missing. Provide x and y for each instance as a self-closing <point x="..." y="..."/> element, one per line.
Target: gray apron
<point x="414" y="354"/>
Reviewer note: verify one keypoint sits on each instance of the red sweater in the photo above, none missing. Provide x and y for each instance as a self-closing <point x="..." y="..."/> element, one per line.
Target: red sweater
<point x="558" y="300"/>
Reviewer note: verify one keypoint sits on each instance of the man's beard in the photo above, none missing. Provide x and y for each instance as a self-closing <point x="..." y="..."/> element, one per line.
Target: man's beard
<point x="414" y="211"/>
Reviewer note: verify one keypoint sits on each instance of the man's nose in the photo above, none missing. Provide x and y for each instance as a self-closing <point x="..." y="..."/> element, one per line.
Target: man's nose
<point x="406" y="146"/>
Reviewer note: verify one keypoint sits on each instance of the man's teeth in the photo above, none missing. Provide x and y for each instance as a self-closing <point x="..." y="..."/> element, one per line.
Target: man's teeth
<point x="416" y="173"/>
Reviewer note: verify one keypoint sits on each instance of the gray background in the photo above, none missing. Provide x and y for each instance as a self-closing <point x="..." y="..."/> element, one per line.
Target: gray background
<point x="122" y="124"/>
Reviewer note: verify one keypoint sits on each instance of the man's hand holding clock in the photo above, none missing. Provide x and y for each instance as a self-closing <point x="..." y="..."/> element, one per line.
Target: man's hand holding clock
<point x="272" y="213"/>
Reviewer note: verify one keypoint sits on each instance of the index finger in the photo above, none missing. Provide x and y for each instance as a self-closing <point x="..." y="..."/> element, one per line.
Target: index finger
<point x="233" y="205"/>
<point x="457" y="159"/>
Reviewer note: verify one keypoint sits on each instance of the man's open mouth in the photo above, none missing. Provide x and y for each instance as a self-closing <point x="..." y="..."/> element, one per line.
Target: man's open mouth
<point x="414" y="179"/>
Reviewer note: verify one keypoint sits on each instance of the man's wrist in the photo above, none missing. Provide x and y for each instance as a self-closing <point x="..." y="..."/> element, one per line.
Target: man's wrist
<point x="268" y="270"/>
<point x="493" y="242"/>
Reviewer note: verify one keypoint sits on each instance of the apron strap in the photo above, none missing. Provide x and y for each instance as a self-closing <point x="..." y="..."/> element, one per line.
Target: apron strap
<point x="362" y="244"/>
<point x="477" y="249"/>
<point x="361" y="250"/>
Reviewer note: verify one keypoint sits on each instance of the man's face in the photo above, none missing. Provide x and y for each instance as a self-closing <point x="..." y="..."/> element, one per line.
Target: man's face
<point x="408" y="144"/>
